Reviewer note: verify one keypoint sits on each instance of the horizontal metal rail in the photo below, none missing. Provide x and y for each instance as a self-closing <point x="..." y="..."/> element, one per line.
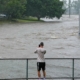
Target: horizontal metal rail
<point x="36" y="58"/>
<point x="27" y="59"/>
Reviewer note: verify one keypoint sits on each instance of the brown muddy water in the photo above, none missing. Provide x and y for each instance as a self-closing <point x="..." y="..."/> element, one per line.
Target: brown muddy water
<point x="60" y="38"/>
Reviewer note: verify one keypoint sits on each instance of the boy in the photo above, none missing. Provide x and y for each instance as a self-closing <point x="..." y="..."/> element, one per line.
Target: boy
<point x="40" y="60"/>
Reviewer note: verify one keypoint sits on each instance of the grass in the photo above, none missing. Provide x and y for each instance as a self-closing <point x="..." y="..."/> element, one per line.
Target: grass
<point x="4" y="21"/>
<point x="23" y="20"/>
<point x="28" y="19"/>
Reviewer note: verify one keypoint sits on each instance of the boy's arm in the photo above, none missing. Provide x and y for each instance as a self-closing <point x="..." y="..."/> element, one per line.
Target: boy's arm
<point x="35" y="51"/>
<point x="43" y="51"/>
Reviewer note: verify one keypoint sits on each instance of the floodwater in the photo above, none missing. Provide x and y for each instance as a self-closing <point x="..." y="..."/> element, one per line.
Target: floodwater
<point x="61" y="40"/>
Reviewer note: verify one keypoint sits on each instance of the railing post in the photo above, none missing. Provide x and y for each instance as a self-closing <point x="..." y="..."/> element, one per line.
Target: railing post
<point x="69" y="8"/>
<point x="27" y="69"/>
<point x="79" y="22"/>
<point x="73" y="69"/>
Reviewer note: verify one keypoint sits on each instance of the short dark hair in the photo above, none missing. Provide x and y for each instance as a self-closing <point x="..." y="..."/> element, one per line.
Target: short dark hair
<point x="41" y="44"/>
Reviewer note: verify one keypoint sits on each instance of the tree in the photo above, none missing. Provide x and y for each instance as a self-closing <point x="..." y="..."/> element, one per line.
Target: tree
<point x="76" y="5"/>
<point x="15" y="8"/>
<point x="65" y="5"/>
<point x="2" y="5"/>
<point x="43" y="8"/>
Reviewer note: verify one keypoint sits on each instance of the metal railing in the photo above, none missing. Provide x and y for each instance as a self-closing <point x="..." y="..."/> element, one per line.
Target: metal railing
<point x="54" y="61"/>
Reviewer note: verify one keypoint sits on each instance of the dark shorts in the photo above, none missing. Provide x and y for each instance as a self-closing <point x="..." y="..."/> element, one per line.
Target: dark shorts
<point x="41" y="65"/>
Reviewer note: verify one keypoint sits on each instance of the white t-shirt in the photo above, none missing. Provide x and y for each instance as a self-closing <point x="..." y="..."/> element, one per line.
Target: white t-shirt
<point x="40" y="51"/>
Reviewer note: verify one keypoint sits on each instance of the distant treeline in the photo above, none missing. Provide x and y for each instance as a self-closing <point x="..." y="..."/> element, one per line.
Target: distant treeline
<point x="36" y="8"/>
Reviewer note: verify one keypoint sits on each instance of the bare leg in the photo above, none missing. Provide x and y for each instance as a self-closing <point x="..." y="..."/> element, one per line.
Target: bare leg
<point x="39" y="74"/>
<point x="44" y="74"/>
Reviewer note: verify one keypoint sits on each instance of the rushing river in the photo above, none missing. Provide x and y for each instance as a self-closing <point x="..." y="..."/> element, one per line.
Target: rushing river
<point x="61" y="40"/>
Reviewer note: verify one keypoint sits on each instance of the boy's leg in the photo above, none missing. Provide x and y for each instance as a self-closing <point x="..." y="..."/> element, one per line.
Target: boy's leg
<point x="43" y="69"/>
<point x="44" y="74"/>
<point x="39" y="74"/>
<point x="39" y="68"/>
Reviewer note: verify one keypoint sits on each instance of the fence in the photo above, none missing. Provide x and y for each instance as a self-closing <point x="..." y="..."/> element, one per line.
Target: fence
<point x="25" y="68"/>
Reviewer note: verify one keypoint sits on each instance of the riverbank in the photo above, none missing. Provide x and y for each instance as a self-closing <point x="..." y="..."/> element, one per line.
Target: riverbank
<point x="23" y="20"/>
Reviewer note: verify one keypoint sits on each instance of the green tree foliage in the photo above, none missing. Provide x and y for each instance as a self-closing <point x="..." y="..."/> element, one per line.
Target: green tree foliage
<point x="13" y="8"/>
<point x="2" y="5"/>
<point x="43" y="8"/>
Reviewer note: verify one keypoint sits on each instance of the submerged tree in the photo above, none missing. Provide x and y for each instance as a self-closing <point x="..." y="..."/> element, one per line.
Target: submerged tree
<point x="43" y="8"/>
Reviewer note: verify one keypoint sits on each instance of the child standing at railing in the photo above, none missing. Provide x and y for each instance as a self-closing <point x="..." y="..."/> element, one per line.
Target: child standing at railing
<point x="40" y="60"/>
